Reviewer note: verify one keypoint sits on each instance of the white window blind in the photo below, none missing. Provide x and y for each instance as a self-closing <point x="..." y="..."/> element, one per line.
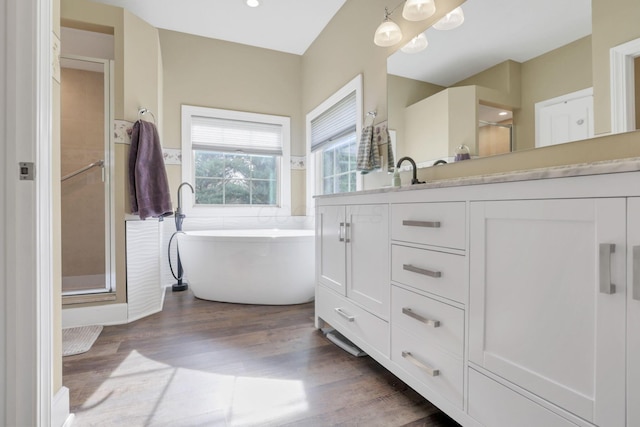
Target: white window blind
<point x="334" y="123"/>
<point x="232" y="136"/>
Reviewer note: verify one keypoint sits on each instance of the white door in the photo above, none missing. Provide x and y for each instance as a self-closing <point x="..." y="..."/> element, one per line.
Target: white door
<point x="330" y="247"/>
<point x="633" y="313"/>
<point x="565" y="119"/>
<point x="540" y="316"/>
<point x="368" y="257"/>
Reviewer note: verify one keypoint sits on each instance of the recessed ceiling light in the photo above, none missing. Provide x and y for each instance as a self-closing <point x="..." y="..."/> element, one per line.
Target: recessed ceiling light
<point x="253" y="3"/>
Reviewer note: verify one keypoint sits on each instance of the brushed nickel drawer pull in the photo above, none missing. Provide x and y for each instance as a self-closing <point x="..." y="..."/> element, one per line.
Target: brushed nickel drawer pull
<point x="427" y="224"/>
<point x="345" y="315"/>
<point x="429" y="322"/>
<point x="340" y="232"/>
<point x="428" y="369"/>
<point x="636" y="273"/>
<point x="606" y="287"/>
<point x="430" y="273"/>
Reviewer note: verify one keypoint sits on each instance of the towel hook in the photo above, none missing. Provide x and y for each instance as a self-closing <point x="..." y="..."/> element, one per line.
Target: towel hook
<point x="142" y="111"/>
<point x="371" y="116"/>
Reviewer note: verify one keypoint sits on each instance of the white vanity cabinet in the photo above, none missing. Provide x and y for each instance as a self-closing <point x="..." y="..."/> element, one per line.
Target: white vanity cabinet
<point x="547" y="300"/>
<point x="511" y="303"/>
<point x="633" y="312"/>
<point x="352" y="263"/>
<point x="429" y="278"/>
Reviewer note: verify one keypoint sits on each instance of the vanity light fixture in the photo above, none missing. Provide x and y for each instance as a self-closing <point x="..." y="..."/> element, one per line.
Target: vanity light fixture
<point x="418" y="10"/>
<point x="253" y="3"/>
<point x="388" y="33"/>
<point x="451" y="20"/>
<point x="417" y="44"/>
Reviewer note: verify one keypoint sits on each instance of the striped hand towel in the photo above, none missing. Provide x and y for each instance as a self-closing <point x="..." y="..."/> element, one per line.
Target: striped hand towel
<point x="382" y="138"/>
<point x="368" y="158"/>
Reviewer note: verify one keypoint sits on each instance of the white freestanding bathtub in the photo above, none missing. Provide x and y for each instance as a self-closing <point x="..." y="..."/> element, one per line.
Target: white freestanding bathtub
<point x="249" y="266"/>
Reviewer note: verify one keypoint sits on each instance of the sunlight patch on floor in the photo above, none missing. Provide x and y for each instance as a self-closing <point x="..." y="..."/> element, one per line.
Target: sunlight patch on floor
<point x="184" y="394"/>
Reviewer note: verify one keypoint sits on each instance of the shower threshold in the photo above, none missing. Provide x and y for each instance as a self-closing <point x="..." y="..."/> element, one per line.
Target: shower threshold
<point x="84" y="298"/>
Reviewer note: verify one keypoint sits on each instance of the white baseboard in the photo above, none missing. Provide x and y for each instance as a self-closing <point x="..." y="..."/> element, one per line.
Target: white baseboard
<point x="60" y="416"/>
<point x="108" y="314"/>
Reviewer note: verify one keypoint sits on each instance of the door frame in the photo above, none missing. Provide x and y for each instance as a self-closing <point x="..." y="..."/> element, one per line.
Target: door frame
<point x="107" y="170"/>
<point x="623" y="105"/>
<point x="27" y="332"/>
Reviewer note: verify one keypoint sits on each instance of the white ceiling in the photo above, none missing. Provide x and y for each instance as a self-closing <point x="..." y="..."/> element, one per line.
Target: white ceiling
<point x="494" y="31"/>
<point x="284" y="25"/>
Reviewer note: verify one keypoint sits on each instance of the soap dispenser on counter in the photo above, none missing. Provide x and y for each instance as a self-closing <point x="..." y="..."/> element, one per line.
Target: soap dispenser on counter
<point x="395" y="181"/>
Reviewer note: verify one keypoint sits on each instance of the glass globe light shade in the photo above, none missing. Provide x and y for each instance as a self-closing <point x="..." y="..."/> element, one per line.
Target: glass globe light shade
<point x="417" y="44"/>
<point x="451" y="20"/>
<point x="387" y="34"/>
<point x="253" y="3"/>
<point x="418" y="10"/>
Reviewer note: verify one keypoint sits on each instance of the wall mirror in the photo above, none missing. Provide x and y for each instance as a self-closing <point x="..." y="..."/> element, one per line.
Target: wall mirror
<point x="478" y="84"/>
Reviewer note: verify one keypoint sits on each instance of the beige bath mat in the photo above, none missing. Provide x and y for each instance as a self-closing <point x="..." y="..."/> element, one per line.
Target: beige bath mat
<point x="79" y="340"/>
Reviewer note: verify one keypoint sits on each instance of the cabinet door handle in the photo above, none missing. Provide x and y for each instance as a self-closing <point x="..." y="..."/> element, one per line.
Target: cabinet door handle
<point x="428" y="369"/>
<point x="427" y="224"/>
<point x="341" y="232"/>
<point x="430" y="322"/>
<point x="430" y="273"/>
<point x="347" y="232"/>
<point x="345" y="315"/>
<point x="606" y="287"/>
<point x="636" y="273"/>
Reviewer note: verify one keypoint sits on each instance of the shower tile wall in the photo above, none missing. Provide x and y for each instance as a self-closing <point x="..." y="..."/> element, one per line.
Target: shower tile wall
<point x="494" y="140"/>
<point x="83" y="197"/>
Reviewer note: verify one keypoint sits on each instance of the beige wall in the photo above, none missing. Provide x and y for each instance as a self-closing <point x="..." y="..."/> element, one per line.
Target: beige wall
<point x="437" y="125"/>
<point x="499" y="85"/>
<point x="214" y="73"/>
<point x="402" y="92"/>
<point x="559" y="72"/>
<point x="137" y="84"/>
<point x="614" y="22"/>
<point x="345" y="49"/>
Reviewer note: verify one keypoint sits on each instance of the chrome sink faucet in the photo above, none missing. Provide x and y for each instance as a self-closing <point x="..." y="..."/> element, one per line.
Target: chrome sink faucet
<point x="414" y="179"/>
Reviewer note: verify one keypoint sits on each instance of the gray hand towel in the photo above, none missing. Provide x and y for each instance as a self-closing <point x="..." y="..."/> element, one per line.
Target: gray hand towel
<point x="148" y="183"/>
<point x="368" y="157"/>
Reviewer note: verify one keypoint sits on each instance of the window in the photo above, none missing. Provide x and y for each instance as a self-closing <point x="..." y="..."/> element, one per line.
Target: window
<point x="339" y="165"/>
<point x="332" y="130"/>
<point x="237" y="162"/>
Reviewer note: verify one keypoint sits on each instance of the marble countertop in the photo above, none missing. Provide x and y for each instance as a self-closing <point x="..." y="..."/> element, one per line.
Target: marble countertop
<point x="582" y="169"/>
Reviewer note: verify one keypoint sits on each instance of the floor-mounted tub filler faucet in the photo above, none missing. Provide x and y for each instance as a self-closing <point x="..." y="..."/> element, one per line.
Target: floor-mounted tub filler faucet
<point x="179" y="217"/>
<point x="414" y="179"/>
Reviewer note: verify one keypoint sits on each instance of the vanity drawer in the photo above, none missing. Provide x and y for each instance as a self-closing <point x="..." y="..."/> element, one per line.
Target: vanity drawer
<point x="437" y="224"/>
<point x="440" y="273"/>
<point x="435" y="368"/>
<point x="352" y="320"/>
<point x="433" y="322"/>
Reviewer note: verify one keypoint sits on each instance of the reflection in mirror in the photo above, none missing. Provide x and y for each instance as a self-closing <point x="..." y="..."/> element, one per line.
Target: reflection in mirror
<point x="506" y="57"/>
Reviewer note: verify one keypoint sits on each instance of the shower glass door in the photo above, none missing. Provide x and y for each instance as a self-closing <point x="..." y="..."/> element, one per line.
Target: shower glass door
<point x="85" y="162"/>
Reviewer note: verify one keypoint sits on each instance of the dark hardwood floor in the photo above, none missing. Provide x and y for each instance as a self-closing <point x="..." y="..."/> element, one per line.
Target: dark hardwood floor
<point x="203" y="363"/>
